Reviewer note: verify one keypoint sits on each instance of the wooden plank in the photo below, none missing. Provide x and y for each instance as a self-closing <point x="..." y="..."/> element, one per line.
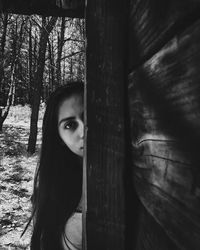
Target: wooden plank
<point x="164" y="95"/>
<point x="154" y="22"/>
<point x="169" y="84"/>
<point x="106" y="66"/>
<point x="150" y="234"/>
<point x="177" y="223"/>
<point x="66" y="8"/>
<point x="159" y="166"/>
<point x="163" y="145"/>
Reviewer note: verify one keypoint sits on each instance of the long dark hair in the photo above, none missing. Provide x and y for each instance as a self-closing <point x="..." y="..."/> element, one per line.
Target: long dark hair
<point x="58" y="180"/>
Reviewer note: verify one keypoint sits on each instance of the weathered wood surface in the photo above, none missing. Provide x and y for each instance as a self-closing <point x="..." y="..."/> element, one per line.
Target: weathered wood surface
<point x="154" y="22"/>
<point x="150" y="235"/>
<point x="164" y="95"/>
<point x="74" y="8"/>
<point x="106" y="65"/>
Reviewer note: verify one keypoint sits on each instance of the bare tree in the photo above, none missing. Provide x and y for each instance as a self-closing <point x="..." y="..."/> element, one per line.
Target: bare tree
<point x="15" y="52"/>
<point x="2" y="49"/>
<point x="4" y="111"/>
<point x="38" y="79"/>
<point x="61" y="36"/>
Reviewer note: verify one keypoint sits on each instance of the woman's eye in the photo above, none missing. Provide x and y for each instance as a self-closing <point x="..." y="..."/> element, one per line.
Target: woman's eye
<point x="70" y="125"/>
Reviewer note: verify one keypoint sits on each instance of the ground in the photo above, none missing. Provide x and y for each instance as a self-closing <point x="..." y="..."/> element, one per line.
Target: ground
<point x="17" y="170"/>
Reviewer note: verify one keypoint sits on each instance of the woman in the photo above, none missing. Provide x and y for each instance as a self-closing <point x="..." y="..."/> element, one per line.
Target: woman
<point x="58" y="183"/>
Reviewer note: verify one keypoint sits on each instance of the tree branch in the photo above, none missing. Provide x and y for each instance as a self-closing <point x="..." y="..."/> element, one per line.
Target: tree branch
<point x="72" y="54"/>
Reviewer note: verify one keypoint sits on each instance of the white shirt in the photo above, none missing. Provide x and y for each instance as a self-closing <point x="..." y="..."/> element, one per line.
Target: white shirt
<point x="72" y="237"/>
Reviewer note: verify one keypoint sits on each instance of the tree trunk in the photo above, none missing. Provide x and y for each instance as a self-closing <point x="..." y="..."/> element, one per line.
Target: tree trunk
<point x="4" y="111"/>
<point x="18" y="38"/>
<point x="52" y="67"/>
<point x="64" y="69"/>
<point x="30" y="65"/>
<point x="38" y="77"/>
<point x="13" y="89"/>
<point x="3" y="42"/>
<point x="60" y="48"/>
<point x="10" y="98"/>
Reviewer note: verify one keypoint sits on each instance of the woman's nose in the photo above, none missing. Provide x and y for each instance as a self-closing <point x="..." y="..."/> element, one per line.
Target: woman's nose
<point x="81" y="129"/>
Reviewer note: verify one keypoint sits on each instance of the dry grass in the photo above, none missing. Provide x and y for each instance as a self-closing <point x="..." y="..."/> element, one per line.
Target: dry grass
<point x="20" y="115"/>
<point x="16" y="178"/>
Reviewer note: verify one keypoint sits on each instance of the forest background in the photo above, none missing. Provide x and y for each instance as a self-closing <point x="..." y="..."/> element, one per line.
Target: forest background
<point x="37" y="54"/>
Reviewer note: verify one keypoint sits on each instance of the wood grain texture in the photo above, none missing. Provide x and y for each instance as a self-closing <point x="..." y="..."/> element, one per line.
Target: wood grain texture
<point x="164" y="96"/>
<point x="153" y="23"/>
<point x="150" y="235"/>
<point x="106" y="66"/>
<point x="174" y="219"/>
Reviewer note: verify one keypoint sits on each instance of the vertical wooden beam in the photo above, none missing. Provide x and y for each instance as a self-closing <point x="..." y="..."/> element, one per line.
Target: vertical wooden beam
<point x="106" y="71"/>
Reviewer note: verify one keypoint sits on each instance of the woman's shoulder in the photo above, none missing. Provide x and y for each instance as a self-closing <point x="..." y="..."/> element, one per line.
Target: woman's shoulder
<point x="72" y="236"/>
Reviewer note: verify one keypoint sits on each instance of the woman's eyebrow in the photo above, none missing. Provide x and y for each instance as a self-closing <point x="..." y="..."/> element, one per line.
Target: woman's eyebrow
<point x="66" y="119"/>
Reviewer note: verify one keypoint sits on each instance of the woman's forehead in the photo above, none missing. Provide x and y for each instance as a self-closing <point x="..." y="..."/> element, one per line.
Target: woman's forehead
<point x="70" y="106"/>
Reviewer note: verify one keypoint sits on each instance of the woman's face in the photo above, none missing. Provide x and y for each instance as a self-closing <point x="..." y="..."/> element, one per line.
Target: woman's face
<point x="70" y="123"/>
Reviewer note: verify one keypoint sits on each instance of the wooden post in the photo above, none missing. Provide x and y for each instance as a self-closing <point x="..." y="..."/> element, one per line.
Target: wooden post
<point x="106" y="73"/>
<point x="165" y="120"/>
